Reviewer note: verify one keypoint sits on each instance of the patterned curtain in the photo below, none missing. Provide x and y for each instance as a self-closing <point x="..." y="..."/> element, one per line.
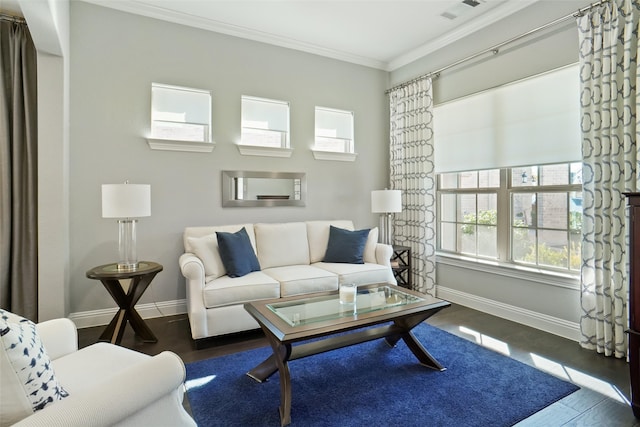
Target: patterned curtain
<point x="608" y="73"/>
<point x="412" y="172"/>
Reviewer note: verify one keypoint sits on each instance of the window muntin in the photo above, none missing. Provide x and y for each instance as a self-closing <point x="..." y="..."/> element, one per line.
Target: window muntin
<point x="468" y="212"/>
<point x="333" y="130"/>
<point x="265" y="122"/>
<point x="544" y="220"/>
<point x="471" y="179"/>
<point x="180" y="113"/>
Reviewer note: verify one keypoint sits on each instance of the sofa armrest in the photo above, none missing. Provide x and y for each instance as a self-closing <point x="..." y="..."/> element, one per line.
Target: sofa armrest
<point x="121" y="397"/>
<point x="191" y="267"/>
<point x="384" y="253"/>
<point x="59" y="336"/>
<point x="193" y="271"/>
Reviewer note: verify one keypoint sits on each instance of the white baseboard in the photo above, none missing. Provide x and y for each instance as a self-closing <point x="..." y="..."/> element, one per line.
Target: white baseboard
<point x="553" y="325"/>
<point x="87" y="319"/>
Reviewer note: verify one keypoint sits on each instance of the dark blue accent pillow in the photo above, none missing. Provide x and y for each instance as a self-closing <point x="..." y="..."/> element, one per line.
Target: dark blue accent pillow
<point x="237" y="253"/>
<point x="346" y="246"/>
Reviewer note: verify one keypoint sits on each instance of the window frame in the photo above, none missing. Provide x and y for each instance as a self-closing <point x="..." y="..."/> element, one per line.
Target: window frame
<point x="347" y="154"/>
<point x="252" y="149"/>
<point x="158" y="142"/>
<point x="504" y="193"/>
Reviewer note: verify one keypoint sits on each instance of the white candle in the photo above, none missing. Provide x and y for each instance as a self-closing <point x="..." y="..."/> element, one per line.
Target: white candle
<point x="348" y="293"/>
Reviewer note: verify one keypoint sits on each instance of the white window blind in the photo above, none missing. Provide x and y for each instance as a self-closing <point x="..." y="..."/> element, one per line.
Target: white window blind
<point x="179" y="113"/>
<point x="265" y="122"/>
<point x="334" y="130"/>
<point x="532" y="121"/>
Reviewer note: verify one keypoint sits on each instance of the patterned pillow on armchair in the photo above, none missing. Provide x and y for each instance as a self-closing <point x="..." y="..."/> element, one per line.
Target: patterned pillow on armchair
<point x="27" y="380"/>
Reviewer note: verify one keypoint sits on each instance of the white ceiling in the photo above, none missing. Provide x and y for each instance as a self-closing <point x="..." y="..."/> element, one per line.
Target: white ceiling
<point x="384" y="34"/>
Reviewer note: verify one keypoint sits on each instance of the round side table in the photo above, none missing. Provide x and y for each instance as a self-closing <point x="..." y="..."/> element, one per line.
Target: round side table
<point x="141" y="277"/>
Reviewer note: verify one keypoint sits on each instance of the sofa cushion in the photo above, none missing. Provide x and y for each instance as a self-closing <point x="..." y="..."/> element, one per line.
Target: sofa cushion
<point x="27" y="378"/>
<point x="303" y="279"/>
<point x="346" y="246"/>
<point x="370" y="248"/>
<point x="282" y="244"/>
<point x="237" y="253"/>
<point x="203" y="242"/>
<point x="226" y="290"/>
<point x="360" y="274"/>
<point x="206" y="248"/>
<point x="318" y="235"/>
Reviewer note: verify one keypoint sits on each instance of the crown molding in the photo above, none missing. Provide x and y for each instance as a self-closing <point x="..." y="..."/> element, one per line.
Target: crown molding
<point x="477" y="24"/>
<point x="157" y="12"/>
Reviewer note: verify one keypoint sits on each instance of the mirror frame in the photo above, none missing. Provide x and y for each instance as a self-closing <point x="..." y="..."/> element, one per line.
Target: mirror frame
<point x="228" y="199"/>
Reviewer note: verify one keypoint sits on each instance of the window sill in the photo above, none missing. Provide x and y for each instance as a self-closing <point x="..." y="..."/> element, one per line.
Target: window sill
<point x="256" y="150"/>
<point x="334" y="155"/>
<point x="552" y="278"/>
<point x="179" y="145"/>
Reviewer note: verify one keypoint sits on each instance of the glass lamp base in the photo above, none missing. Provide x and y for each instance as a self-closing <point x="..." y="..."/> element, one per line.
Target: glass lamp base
<point x="386" y="234"/>
<point x="127" y="245"/>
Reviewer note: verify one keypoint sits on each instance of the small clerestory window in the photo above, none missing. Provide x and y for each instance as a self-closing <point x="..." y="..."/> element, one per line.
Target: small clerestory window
<point x="265" y="127"/>
<point x="180" y="118"/>
<point x="333" y="134"/>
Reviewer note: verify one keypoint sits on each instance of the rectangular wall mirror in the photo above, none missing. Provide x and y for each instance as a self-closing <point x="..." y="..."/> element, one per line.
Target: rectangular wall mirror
<point x="252" y="189"/>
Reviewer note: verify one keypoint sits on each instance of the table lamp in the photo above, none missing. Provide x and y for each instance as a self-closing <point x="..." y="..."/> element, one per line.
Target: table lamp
<point x="126" y="202"/>
<point x="386" y="202"/>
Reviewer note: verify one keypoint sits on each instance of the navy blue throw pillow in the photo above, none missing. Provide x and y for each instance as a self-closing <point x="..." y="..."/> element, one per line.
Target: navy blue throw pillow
<point x="237" y="253"/>
<point x="346" y="246"/>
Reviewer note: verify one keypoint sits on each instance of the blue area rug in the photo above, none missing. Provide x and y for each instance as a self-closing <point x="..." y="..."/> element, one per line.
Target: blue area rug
<point x="372" y="384"/>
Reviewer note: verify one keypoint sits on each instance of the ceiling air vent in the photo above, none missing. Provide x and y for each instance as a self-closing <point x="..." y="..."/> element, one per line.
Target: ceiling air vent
<point x="460" y="9"/>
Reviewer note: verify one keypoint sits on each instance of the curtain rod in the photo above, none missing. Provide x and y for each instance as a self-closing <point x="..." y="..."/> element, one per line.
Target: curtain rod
<point x="11" y="18"/>
<point x="496" y="48"/>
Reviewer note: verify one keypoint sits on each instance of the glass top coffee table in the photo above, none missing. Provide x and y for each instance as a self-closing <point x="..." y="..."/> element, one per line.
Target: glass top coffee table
<point x="380" y="311"/>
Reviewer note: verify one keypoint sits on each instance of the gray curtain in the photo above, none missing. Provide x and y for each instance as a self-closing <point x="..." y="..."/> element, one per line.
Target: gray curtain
<point x="18" y="170"/>
<point x="608" y="37"/>
<point x="413" y="172"/>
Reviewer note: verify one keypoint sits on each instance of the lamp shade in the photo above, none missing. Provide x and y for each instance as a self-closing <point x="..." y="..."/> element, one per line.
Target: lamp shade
<point x="386" y="201"/>
<point x="126" y="200"/>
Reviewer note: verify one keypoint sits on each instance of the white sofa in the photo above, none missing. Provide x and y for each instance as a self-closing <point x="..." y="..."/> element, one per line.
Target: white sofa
<point x="107" y="385"/>
<point x="290" y="257"/>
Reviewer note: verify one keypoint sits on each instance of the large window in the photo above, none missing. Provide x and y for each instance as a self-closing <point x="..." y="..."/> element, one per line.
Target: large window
<point x="490" y="206"/>
<point x="524" y="215"/>
<point x="265" y="122"/>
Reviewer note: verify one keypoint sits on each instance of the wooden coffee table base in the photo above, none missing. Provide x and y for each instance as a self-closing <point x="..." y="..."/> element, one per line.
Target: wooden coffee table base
<point x="284" y="352"/>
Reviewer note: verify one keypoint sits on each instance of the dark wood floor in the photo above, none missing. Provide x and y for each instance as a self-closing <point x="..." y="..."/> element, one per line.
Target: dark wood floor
<point x="602" y="400"/>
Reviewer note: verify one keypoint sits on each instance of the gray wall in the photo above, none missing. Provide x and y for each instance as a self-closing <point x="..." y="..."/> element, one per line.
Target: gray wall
<point x="49" y="26"/>
<point x="551" y="303"/>
<point x="542" y="51"/>
<point x="116" y="56"/>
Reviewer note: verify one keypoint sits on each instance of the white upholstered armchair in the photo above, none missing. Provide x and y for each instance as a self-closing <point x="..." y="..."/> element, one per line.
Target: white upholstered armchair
<point x="107" y="385"/>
